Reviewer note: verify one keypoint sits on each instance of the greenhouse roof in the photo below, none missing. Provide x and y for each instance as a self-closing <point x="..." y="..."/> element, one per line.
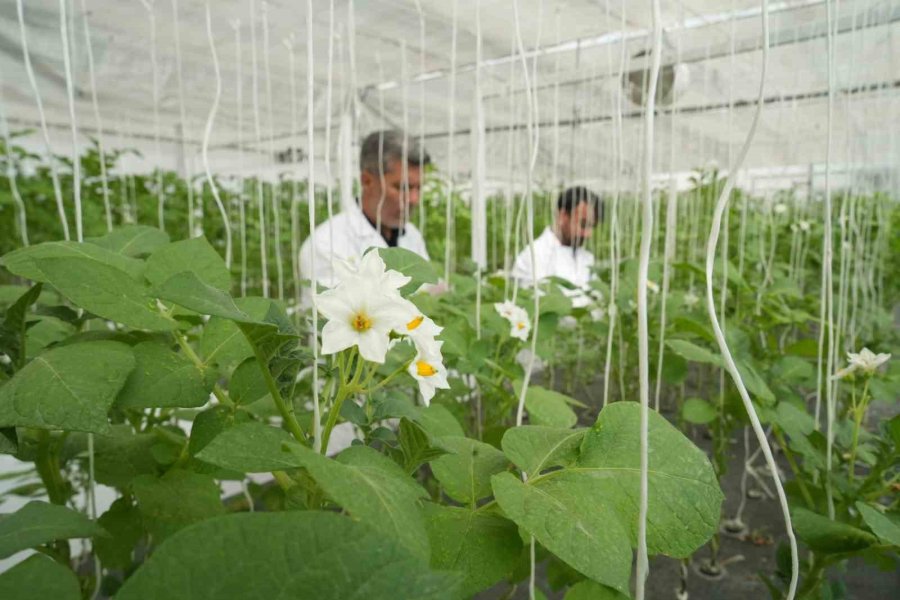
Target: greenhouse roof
<point x="711" y="67"/>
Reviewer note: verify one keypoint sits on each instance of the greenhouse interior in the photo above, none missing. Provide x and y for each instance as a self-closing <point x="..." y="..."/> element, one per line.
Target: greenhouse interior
<point x="498" y="299"/>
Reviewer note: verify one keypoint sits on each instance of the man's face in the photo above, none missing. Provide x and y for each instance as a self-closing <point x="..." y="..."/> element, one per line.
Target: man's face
<point x="397" y="194"/>
<point x="575" y="228"/>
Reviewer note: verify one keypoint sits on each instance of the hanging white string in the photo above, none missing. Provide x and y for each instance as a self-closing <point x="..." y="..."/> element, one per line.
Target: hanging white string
<point x="614" y="233"/>
<point x="450" y="234"/>
<point x="295" y="200"/>
<point x="643" y="566"/>
<point x="239" y="102"/>
<point x="422" y="205"/>
<point x="73" y="122"/>
<point x="48" y="150"/>
<point x="329" y="176"/>
<point x="101" y="147"/>
<point x="11" y="171"/>
<point x="154" y="64"/>
<point x="193" y="227"/>
<point x="260" y="200"/>
<point x="275" y="186"/>
<point x="478" y="206"/>
<point x="207" y="134"/>
<point x="721" y="205"/>
<point x="311" y="206"/>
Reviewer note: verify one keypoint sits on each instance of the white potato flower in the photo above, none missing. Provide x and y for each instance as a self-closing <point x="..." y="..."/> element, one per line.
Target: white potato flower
<point x="428" y="370"/>
<point x="865" y="360"/>
<point x="519" y="322"/>
<point x="505" y="309"/>
<point x="691" y="299"/>
<point x="371" y="269"/>
<point x="653" y="287"/>
<point x="804" y="225"/>
<point x="360" y="315"/>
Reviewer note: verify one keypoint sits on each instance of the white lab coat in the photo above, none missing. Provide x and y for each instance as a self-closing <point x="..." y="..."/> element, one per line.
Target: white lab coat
<point x="554" y="260"/>
<point x="346" y="237"/>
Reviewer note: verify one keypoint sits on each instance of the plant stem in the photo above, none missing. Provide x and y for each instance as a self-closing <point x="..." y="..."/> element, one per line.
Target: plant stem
<point x="286" y="410"/>
<point x="344" y="390"/>
<point x="189" y="352"/>
<point x="789" y="456"/>
<point x="859" y="412"/>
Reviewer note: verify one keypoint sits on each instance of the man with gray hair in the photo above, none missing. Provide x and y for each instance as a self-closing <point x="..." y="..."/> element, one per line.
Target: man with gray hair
<point x="390" y="165"/>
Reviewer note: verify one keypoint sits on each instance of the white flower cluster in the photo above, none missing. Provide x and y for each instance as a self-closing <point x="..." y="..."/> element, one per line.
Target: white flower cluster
<point x="865" y="360"/>
<point x="366" y="306"/>
<point x="519" y="322"/>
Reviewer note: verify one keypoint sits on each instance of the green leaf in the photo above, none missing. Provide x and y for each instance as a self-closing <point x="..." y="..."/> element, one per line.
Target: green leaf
<point x="416" y="446"/>
<point x="792" y="369"/>
<point x="591" y="590"/>
<point x="410" y="264"/>
<point x="535" y="449"/>
<point x="188" y="290"/>
<point x="684" y="497"/>
<point x="466" y="471"/>
<point x="132" y="240"/>
<point x="693" y="352"/>
<point x="9" y="440"/>
<point x="437" y="421"/>
<point x="12" y="329"/>
<point x="39" y="523"/>
<point x="175" y="500"/>
<point x="104" y="291"/>
<point x="123" y="522"/>
<point x="698" y="411"/>
<point x="46" y="332"/>
<point x="251" y="448"/>
<point x="546" y="407"/>
<point x="193" y="255"/>
<point x="483" y="548"/>
<point x="122" y="455"/>
<point x="247" y="383"/>
<point x="885" y="526"/>
<point x="23" y="262"/>
<point x="70" y="388"/>
<point x="569" y="520"/>
<point x="822" y="534"/>
<point x="39" y="576"/>
<point x="163" y="379"/>
<point x="374" y="489"/>
<point x="295" y="554"/>
<point x="754" y="382"/>
<point x="222" y="342"/>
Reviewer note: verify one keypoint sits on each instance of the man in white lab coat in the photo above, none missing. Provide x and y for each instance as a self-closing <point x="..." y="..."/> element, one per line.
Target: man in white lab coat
<point x="559" y="250"/>
<point x="389" y="193"/>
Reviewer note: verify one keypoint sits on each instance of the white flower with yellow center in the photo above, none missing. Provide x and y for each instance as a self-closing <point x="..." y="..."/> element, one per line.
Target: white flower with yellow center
<point x="865" y="360"/>
<point x="519" y="322"/>
<point x="362" y="316"/>
<point x="653" y="287"/>
<point x="420" y="329"/>
<point x="427" y="368"/>
<point x="505" y="309"/>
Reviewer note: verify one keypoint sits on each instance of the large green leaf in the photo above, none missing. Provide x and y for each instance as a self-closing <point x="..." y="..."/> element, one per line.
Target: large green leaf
<point x="39" y="523"/>
<point x="693" y="352"/>
<point x="886" y="527"/>
<point x="573" y="522"/>
<point x="251" y="448"/>
<point x="194" y="255"/>
<point x="22" y="262"/>
<point x="410" y="264"/>
<point x="104" y="291"/>
<point x="546" y="407"/>
<point x="222" y="342"/>
<point x="132" y="240"/>
<point x="792" y="369"/>
<point x="754" y="382"/>
<point x="163" y="379"/>
<point x="189" y="291"/>
<point x="308" y="554"/>
<point x="586" y="513"/>
<point x="123" y="522"/>
<point x="483" y="548"/>
<point x="247" y="384"/>
<point x="535" y="448"/>
<point x="123" y="455"/>
<point x="70" y="388"/>
<point x="591" y="590"/>
<point x="374" y="489"/>
<point x="37" y="577"/>
<point x="822" y="534"/>
<point x="465" y="472"/>
<point x="175" y="500"/>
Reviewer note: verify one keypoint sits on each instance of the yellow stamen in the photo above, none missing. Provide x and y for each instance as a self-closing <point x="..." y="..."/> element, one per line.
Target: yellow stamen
<point x="415" y="323"/>
<point x="424" y="369"/>
<point x="520" y="325"/>
<point x="361" y="322"/>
